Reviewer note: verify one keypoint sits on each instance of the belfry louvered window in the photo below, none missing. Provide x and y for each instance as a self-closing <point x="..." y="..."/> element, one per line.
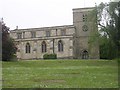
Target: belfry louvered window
<point x="84" y="17"/>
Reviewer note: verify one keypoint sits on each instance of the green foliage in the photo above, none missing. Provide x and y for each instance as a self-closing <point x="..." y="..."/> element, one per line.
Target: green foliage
<point x="108" y="20"/>
<point x="8" y="46"/>
<point x="60" y="74"/>
<point x="107" y="48"/>
<point x="49" y="56"/>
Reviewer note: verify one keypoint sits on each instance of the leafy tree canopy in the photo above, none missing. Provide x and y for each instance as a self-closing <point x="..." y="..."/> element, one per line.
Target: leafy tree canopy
<point x="8" y="46"/>
<point x="109" y="24"/>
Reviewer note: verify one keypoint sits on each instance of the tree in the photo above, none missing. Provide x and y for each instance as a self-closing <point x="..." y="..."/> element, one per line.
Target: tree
<point x="8" y="46"/>
<point x="109" y="23"/>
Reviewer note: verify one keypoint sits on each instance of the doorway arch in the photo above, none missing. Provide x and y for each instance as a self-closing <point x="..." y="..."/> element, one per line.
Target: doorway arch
<point x="85" y="54"/>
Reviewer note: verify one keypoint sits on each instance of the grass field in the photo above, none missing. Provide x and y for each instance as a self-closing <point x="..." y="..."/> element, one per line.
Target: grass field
<point x="60" y="74"/>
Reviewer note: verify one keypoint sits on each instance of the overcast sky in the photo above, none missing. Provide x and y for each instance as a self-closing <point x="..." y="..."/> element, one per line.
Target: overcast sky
<point x="41" y="13"/>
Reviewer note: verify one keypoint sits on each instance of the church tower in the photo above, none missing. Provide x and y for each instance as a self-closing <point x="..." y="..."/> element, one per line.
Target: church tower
<point x="85" y="42"/>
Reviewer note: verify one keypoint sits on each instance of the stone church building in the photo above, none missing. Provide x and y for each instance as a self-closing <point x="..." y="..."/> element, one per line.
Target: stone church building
<point x="69" y="41"/>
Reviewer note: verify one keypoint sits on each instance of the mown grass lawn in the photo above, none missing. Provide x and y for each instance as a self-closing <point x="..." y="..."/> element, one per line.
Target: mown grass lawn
<point x="60" y="74"/>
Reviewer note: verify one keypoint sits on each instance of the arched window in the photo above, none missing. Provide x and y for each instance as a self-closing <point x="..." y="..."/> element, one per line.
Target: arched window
<point x="27" y="48"/>
<point x="60" y="46"/>
<point x="44" y="47"/>
<point x="84" y="54"/>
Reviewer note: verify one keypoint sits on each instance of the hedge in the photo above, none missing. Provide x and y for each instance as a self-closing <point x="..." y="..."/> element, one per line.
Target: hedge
<point x="49" y="56"/>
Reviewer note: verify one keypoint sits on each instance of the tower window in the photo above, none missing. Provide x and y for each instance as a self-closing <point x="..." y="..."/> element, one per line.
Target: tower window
<point x="84" y="18"/>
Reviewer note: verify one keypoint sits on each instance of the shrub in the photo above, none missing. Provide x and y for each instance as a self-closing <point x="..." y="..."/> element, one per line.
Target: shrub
<point x="49" y="56"/>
